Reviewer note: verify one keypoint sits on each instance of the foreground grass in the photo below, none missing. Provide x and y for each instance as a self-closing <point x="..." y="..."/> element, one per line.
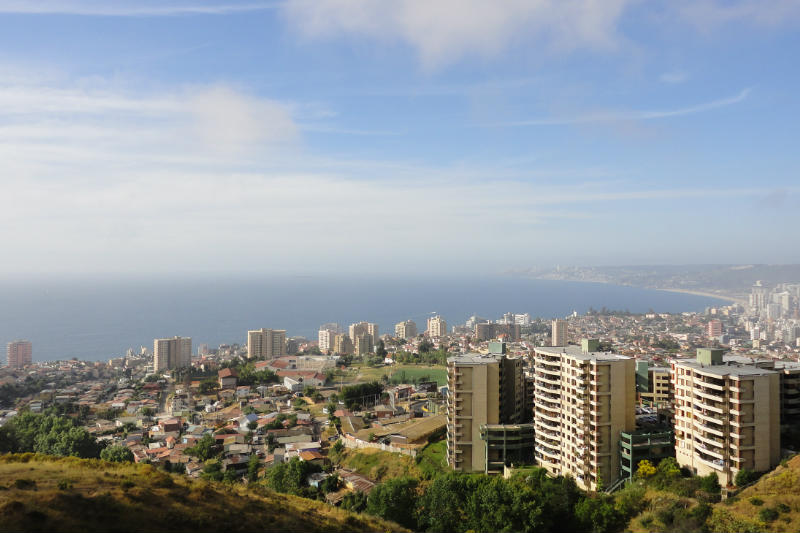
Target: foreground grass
<point x="44" y="493"/>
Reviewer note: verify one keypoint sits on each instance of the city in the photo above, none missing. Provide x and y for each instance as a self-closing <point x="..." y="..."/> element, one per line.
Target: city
<point x="441" y="266"/>
<point x="589" y="397"/>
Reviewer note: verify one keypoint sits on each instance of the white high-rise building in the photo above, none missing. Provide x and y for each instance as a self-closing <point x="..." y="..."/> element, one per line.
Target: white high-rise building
<point x="405" y="330"/>
<point x="326" y="338"/>
<point x="437" y="327"/>
<point x="169" y="354"/>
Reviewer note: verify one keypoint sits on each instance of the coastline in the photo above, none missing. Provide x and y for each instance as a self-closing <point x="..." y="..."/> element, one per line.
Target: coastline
<point x="683" y="291"/>
<point x="708" y="294"/>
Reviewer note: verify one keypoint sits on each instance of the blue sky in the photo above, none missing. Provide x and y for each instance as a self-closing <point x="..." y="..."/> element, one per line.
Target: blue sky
<point x="402" y="136"/>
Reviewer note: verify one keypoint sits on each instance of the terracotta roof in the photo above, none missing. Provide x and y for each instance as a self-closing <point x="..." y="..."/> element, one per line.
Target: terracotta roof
<point x="227" y="373"/>
<point x="310" y="456"/>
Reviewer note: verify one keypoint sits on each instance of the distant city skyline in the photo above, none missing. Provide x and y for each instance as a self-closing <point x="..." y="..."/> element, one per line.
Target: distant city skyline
<point x="153" y="138"/>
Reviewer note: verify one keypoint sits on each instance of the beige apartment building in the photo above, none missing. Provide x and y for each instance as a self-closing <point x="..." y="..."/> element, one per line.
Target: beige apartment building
<point x="405" y="330"/>
<point x="266" y="343"/>
<point x="727" y="414"/>
<point x="486" y="413"/>
<point x="19" y="353"/>
<point x="583" y="399"/>
<point x="342" y="344"/>
<point x="559" y="333"/>
<point x="169" y="354"/>
<point x="364" y="328"/>
<point x="437" y="327"/>
<point x="653" y="385"/>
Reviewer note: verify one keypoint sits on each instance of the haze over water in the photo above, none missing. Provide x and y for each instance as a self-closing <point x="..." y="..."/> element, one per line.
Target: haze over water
<point x="96" y="320"/>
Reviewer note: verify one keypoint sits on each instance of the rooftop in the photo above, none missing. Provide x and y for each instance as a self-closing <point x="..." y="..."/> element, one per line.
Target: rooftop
<point x="578" y="353"/>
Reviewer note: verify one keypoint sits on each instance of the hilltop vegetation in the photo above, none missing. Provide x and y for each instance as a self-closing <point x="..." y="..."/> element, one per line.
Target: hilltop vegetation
<point x="46" y="493"/>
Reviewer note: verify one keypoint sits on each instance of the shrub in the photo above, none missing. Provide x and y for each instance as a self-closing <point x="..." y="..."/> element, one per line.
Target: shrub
<point x="24" y="484"/>
<point x="783" y="508"/>
<point x="745" y="477"/>
<point x="645" y="469"/>
<point x="756" y="501"/>
<point x="64" y="484"/>
<point x="767" y="514"/>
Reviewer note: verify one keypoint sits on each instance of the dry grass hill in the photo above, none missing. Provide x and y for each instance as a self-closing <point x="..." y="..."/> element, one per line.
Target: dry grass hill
<point x="45" y="493"/>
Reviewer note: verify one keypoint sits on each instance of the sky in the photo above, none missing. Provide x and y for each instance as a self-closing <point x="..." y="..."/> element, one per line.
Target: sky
<point x="396" y="136"/>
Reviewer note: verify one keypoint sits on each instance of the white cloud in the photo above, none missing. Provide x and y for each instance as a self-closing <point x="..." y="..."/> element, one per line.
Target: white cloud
<point x="444" y="31"/>
<point x="618" y="116"/>
<point x="142" y="8"/>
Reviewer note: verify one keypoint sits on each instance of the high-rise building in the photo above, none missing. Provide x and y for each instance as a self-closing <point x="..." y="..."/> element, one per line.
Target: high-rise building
<point x="583" y="400"/>
<point x="362" y="328"/>
<point x="727" y="414"/>
<point x="342" y="344"/>
<point x="266" y="343"/>
<point x="559" y="335"/>
<point x="653" y="385"/>
<point x="405" y="330"/>
<point x="714" y="328"/>
<point x="486" y="418"/>
<point x="362" y="344"/>
<point x="169" y="354"/>
<point x="487" y="331"/>
<point x="19" y="353"/>
<point x="437" y="326"/>
<point x="326" y="337"/>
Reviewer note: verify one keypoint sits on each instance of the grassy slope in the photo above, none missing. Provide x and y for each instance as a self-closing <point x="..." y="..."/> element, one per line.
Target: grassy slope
<point x="99" y="496"/>
<point x="438" y="373"/>
<point x="781" y="486"/>
<point x="380" y="466"/>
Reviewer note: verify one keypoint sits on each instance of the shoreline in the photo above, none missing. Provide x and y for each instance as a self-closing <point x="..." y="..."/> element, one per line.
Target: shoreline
<point x="707" y="294"/>
<point x="727" y="298"/>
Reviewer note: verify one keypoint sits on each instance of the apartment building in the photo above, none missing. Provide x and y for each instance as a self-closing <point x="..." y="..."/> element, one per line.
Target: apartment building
<point x="487" y="426"/>
<point x="342" y="344"/>
<point x="405" y="330"/>
<point x="437" y="327"/>
<point x="364" y="328"/>
<point x="266" y="343"/>
<point x="325" y="339"/>
<point x="583" y="400"/>
<point x="653" y="385"/>
<point x="727" y="414"/>
<point x="559" y="334"/>
<point x="19" y="353"/>
<point x="487" y="331"/>
<point x="169" y="354"/>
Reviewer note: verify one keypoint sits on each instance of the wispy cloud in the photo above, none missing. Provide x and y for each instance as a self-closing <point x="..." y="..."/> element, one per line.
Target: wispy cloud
<point x="621" y="116"/>
<point x="129" y="9"/>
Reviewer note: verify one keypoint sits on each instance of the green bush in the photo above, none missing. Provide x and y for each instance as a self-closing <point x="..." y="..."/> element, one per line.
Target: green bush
<point x="767" y="514"/>
<point x="745" y="477"/>
<point x="783" y="508"/>
<point x="756" y="501"/>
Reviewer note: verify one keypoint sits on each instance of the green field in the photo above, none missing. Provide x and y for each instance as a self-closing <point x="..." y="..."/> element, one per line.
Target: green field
<point x="435" y="373"/>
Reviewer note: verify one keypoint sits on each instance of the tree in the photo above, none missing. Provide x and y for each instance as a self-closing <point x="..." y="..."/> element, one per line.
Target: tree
<point x="646" y="469"/>
<point x="354" y="501"/>
<point x="744" y="477"/>
<point x="381" y="350"/>
<point x="392" y="500"/>
<point x="204" y="449"/>
<point x="253" y="465"/>
<point x="598" y="514"/>
<point x="48" y="434"/>
<point x="117" y="454"/>
<point x="290" y="477"/>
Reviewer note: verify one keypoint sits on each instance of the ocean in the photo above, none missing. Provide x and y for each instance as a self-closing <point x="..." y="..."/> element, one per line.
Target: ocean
<point x="101" y="319"/>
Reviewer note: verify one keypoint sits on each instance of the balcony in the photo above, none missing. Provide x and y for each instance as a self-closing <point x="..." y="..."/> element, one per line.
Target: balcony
<point x="719" y="431"/>
<point x="701" y="447"/>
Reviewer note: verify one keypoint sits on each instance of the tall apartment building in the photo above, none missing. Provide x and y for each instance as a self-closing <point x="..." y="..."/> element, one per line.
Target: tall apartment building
<point x="326" y="337"/>
<point x="437" y="327"/>
<point x="727" y="414"/>
<point x="714" y="328"/>
<point x="583" y="400"/>
<point x="405" y="330"/>
<point x="362" y="328"/>
<point x="19" y="353"/>
<point x="266" y="343"/>
<point x="486" y="418"/>
<point x="362" y="344"/>
<point x="169" y="354"/>
<point x="342" y="344"/>
<point x="559" y="334"/>
<point x="653" y="385"/>
<point x="487" y="331"/>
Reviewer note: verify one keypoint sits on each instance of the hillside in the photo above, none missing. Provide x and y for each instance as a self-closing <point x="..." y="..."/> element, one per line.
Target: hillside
<point x="771" y="504"/>
<point x="46" y="493"/>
